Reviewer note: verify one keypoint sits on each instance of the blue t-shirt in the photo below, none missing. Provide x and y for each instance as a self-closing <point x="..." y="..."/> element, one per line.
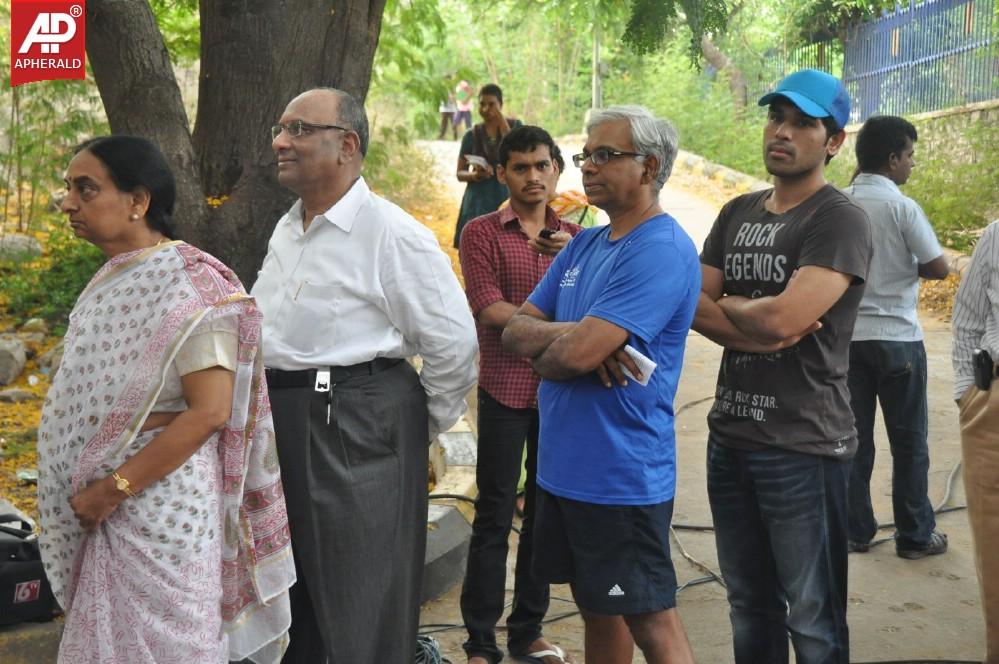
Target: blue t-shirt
<point x="616" y="446"/>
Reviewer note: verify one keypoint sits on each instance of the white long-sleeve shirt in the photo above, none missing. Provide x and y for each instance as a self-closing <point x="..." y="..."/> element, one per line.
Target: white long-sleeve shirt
<point x="366" y="280"/>
<point x="976" y="310"/>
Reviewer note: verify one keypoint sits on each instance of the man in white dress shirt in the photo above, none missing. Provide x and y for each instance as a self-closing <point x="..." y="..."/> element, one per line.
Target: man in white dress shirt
<point x="887" y="357"/>
<point x="350" y="287"/>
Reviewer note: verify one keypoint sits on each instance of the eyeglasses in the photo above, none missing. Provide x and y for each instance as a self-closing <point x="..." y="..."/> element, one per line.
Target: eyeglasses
<point x="296" y="128"/>
<point x="601" y="156"/>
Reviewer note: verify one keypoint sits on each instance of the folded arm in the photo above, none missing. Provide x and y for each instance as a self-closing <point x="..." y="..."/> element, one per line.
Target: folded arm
<point x="810" y="293"/>
<point x="562" y="351"/>
<point x="714" y="323"/>
<point x="529" y="332"/>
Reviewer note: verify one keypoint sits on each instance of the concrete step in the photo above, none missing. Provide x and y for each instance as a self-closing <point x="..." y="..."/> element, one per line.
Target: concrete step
<point x="449" y="525"/>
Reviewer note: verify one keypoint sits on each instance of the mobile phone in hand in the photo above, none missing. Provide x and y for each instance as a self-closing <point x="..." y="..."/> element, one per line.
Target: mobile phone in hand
<point x="546" y="233"/>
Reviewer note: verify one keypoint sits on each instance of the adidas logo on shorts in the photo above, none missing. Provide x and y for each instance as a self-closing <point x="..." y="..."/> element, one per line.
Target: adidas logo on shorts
<point x="615" y="591"/>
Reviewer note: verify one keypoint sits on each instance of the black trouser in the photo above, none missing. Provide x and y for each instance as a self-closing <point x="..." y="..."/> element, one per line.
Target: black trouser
<point x="356" y="490"/>
<point x="894" y="374"/>
<point x="502" y="432"/>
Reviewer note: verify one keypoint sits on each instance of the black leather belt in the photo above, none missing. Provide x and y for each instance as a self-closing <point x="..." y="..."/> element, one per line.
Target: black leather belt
<point x="279" y="378"/>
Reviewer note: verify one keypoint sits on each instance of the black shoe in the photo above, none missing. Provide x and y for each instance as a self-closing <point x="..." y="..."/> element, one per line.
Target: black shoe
<point x="857" y="547"/>
<point x="937" y="545"/>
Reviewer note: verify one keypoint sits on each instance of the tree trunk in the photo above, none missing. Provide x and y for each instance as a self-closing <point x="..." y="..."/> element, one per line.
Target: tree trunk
<point x="736" y="80"/>
<point x="255" y="56"/>
<point x="141" y="97"/>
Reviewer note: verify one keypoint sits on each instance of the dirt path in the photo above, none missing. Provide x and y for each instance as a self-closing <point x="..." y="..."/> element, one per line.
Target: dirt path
<point x="899" y="610"/>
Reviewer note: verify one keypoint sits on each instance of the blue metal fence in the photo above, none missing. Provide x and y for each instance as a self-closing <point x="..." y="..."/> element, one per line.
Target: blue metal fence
<point x="922" y="57"/>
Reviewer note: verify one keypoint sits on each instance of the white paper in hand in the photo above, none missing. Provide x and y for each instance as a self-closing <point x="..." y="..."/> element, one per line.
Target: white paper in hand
<point x="477" y="160"/>
<point x="645" y="365"/>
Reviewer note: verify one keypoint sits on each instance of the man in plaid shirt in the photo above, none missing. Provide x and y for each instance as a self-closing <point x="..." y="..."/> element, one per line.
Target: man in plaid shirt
<point x="503" y="256"/>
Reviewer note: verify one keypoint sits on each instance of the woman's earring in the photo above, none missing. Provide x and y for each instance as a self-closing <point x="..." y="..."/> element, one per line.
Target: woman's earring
<point x="133" y="217"/>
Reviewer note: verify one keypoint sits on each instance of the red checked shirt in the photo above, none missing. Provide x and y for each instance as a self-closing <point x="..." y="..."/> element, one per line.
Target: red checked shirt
<point x="499" y="266"/>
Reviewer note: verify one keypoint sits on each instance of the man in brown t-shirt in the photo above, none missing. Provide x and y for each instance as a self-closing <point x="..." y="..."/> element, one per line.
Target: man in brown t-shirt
<point x="782" y="276"/>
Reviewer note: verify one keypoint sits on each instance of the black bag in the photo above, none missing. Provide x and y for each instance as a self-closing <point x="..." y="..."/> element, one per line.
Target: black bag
<point x="25" y="593"/>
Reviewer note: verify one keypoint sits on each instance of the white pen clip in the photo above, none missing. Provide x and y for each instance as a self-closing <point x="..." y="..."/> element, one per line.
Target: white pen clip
<point x="322" y="381"/>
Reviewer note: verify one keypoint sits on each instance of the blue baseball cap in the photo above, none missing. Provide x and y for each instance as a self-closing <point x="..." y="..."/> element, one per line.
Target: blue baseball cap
<point x="816" y="93"/>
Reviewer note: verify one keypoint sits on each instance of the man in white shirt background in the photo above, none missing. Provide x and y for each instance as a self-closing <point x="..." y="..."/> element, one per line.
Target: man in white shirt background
<point x="350" y="287"/>
<point x="887" y="356"/>
<point x="976" y="346"/>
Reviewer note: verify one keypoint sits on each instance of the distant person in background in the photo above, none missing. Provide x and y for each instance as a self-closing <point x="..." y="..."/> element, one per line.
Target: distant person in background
<point x="447" y="110"/>
<point x="478" y="158"/>
<point x="464" y="98"/>
<point x="887" y="357"/>
<point x="976" y="345"/>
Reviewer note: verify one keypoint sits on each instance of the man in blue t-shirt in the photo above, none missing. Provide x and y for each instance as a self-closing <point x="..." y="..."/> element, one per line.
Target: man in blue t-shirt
<point x="607" y="453"/>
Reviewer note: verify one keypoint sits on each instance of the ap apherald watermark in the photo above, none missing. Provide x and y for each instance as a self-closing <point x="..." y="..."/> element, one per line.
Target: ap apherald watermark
<point x="47" y="40"/>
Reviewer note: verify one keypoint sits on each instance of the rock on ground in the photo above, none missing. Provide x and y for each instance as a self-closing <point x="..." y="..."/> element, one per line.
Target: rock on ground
<point x="15" y="395"/>
<point x="13" y="356"/>
<point x="15" y="246"/>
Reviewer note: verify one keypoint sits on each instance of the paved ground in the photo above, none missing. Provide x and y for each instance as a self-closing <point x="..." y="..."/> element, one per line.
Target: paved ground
<point x="899" y="610"/>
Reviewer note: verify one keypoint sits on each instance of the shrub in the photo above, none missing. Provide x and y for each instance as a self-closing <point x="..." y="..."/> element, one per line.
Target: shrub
<point x="48" y="287"/>
<point x="398" y="169"/>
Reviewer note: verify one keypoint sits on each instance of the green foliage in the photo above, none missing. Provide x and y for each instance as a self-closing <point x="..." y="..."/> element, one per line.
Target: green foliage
<point x="816" y="20"/>
<point x="48" y="288"/>
<point x="700" y="105"/>
<point x="41" y="122"/>
<point x="651" y="21"/>
<point x="398" y="169"/>
<point x="17" y="442"/>
<point x="180" y="24"/>
<point x="409" y="75"/>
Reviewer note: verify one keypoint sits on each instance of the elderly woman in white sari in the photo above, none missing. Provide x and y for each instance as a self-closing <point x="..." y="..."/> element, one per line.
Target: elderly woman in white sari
<point x="164" y="531"/>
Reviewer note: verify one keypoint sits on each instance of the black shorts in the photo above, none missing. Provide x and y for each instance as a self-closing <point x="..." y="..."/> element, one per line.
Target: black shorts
<point x="616" y="557"/>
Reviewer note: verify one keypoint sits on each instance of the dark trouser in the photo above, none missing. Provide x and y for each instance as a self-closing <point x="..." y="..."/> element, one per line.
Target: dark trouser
<point x="780" y="529"/>
<point x="356" y="490"/>
<point x="894" y="374"/>
<point x="447" y="119"/>
<point x="502" y="432"/>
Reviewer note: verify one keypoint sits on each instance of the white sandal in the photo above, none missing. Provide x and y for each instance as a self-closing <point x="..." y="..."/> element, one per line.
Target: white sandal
<point x="538" y="656"/>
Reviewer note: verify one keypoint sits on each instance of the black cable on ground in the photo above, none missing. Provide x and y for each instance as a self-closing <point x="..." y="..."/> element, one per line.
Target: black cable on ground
<point x="451" y="496"/>
<point x="710" y="577"/>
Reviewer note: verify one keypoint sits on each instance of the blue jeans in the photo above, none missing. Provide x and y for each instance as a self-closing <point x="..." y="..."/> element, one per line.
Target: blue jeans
<point x="894" y="374"/>
<point x="780" y="529"/>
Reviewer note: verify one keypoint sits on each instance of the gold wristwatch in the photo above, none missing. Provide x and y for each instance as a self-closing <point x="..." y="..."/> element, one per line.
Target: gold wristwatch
<point x="122" y="484"/>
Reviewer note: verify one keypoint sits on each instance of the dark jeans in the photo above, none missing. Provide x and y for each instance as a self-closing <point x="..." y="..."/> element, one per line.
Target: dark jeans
<point x="894" y="374"/>
<point x="502" y="432"/>
<point x="780" y="529"/>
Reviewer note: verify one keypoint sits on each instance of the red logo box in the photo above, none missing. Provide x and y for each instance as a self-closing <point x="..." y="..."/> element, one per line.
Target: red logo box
<point x="47" y="40"/>
<point x="27" y="591"/>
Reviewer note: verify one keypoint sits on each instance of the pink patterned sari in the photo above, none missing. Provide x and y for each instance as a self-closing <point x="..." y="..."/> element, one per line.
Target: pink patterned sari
<point x="196" y="568"/>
